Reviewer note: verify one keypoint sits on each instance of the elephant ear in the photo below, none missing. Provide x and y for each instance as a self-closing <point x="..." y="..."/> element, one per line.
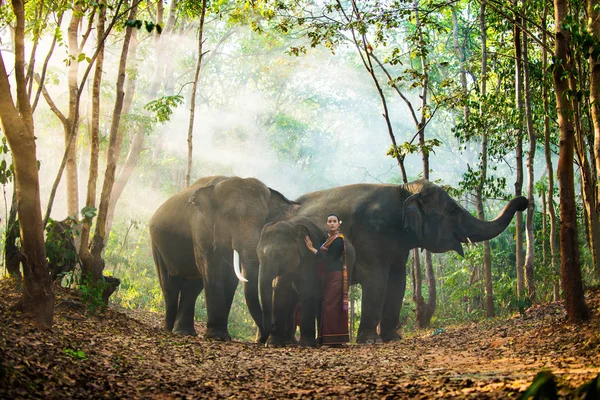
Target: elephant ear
<point x="278" y="205"/>
<point x="412" y="214"/>
<point x="203" y="199"/>
<point x="301" y="232"/>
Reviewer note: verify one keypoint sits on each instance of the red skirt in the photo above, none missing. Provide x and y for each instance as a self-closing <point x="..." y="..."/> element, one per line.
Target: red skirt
<point x="334" y="320"/>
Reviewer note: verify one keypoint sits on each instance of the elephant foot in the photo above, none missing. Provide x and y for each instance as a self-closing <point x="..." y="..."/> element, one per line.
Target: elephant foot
<point x="217" y="334"/>
<point x="184" y="331"/>
<point x="390" y="337"/>
<point x="368" y="338"/>
<point x="290" y="341"/>
<point x="261" y="337"/>
<point x="275" y="341"/>
<point x="307" y="342"/>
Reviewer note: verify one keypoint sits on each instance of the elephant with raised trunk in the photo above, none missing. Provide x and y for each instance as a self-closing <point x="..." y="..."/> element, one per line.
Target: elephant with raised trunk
<point x="384" y="222"/>
<point x="194" y="235"/>
<point x="283" y="254"/>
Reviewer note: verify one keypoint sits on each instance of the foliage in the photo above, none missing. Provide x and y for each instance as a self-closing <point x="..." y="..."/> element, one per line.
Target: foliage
<point x="163" y="107"/>
<point x="59" y="243"/>
<point x="91" y="294"/>
<point x="7" y="171"/>
<point x="149" y="25"/>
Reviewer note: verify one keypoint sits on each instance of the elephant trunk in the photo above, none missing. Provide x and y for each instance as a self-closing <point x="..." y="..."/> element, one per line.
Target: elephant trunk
<point x="476" y="230"/>
<point x="265" y="285"/>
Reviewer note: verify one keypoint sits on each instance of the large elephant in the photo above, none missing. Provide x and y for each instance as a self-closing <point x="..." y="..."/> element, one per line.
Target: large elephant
<point x="194" y="234"/>
<point x="283" y="254"/>
<point x="384" y="222"/>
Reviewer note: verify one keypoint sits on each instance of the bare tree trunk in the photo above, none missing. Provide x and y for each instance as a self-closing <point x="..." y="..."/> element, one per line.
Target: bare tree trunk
<point x="569" y="250"/>
<point x="95" y="266"/>
<point x="548" y="153"/>
<point x="17" y="124"/>
<point x="94" y="136"/>
<point x="529" y="273"/>
<point x="136" y="143"/>
<point x="193" y="95"/>
<point x="487" y="253"/>
<point x="70" y="127"/>
<point x="519" y="153"/>
<point x="426" y="311"/>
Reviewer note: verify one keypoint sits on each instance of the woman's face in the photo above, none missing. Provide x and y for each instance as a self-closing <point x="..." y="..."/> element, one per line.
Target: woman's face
<point x="333" y="224"/>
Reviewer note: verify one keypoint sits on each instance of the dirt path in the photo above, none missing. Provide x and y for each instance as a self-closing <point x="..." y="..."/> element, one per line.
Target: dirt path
<point x="116" y="356"/>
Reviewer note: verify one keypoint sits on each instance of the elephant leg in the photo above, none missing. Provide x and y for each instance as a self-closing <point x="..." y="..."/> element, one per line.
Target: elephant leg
<point x="171" y="295"/>
<point x="217" y="302"/>
<point x="289" y="332"/>
<point x="252" y="300"/>
<point x="373" y="296"/>
<point x="170" y="289"/>
<point x="393" y="303"/>
<point x="231" y="283"/>
<point x="190" y="289"/>
<point x="281" y="310"/>
<point x="308" y="299"/>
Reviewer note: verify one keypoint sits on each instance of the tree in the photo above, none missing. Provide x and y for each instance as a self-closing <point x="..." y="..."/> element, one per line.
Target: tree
<point x="487" y="253"/>
<point x="529" y="275"/>
<point x="16" y="118"/>
<point x="92" y="263"/>
<point x="193" y="92"/>
<point x="569" y="250"/>
<point x="518" y="48"/>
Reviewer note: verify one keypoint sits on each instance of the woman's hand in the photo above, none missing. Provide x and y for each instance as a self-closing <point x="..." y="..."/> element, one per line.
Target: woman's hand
<point x="309" y="245"/>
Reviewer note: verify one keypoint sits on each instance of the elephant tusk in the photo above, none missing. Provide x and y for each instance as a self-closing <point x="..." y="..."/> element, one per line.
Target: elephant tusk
<point x="236" y="266"/>
<point x="469" y="240"/>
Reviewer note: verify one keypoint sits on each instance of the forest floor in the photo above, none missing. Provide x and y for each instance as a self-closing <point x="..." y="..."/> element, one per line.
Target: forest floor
<point x="127" y="355"/>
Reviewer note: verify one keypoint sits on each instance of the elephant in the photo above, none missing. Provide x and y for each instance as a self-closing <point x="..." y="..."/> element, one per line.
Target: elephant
<point x="283" y="255"/>
<point x="194" y="235"/>
<point x="384" y="222"/>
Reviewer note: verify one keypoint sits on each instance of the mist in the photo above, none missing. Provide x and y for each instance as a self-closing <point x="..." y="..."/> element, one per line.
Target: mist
<point x="298" y="124"/>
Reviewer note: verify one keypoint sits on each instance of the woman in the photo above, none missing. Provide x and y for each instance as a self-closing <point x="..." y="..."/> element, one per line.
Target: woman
<point x="333" y="329"/>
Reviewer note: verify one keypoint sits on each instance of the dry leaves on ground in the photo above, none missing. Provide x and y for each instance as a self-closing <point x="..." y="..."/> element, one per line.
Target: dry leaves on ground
<point x="127" y="355"/>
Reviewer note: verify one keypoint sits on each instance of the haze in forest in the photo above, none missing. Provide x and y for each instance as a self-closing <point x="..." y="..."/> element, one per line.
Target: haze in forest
<point x="341" y="136"/>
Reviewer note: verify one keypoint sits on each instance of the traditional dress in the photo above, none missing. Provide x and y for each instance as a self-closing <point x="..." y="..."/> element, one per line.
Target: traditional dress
<point x="333" y="329"/>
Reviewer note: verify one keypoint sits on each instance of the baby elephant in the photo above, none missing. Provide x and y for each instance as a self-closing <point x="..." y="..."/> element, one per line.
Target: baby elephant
<point x="283" y="255"/>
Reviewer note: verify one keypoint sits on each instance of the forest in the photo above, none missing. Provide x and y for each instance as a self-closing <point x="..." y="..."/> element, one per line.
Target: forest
<point x="110" y="108"/>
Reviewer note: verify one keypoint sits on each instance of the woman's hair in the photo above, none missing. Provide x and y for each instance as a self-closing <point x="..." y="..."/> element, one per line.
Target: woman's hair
<point x="334" y="215"/>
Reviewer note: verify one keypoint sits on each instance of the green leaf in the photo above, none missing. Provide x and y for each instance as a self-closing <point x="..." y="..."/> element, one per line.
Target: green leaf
<point x="88" y="212"/>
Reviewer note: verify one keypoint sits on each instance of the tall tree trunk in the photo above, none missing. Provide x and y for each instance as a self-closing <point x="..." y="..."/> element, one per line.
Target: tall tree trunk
<point x="529" y="273"/>
<point x="17" y="124"/>
<point x="90" y="201"/>
<point x="569" y="250"/>
<point x="487" y="253"/>
<point x="70" y="128"/>
<point x="136" y="142"/>
<point x="426" y="311"/>
<point x="193" y="95"/>
<point x="548" y="153"/>
<point x="519" y="152"/>
<point x="594" y="29"/>
<point x="95" y="268"/>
